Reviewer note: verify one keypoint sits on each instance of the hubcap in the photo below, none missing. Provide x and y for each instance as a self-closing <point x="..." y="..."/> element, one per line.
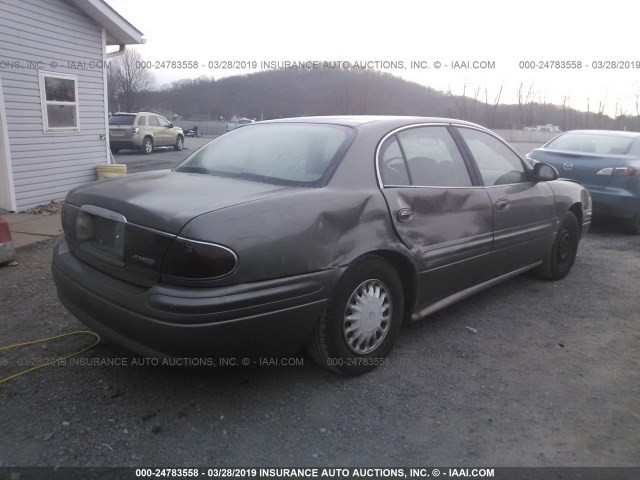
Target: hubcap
<point x="367" y="317"/>
<point x="179" y="144"/>
<point x="148" y="146"/>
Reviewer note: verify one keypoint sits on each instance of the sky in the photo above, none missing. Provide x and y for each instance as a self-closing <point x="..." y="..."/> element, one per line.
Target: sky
<point x="526" y="42"/>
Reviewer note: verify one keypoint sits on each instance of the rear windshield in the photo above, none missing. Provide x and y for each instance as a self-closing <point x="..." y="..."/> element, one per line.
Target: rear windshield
<point x="297" y="154"/>
<point x="591" y="143"/>
<point x="120" y="120"/>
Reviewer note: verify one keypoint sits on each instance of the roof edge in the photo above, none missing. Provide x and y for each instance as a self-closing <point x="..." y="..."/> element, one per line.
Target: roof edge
<point x="119" y="31"/>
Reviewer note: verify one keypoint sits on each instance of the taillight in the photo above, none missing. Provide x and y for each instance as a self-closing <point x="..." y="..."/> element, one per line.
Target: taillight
<point x="618" y="171"/>
<point x="194" y="260"/>
<point x="136" y="130"/>
<point x="624" y="172"/>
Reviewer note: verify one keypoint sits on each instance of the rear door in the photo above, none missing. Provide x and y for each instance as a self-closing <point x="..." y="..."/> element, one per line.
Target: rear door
<point x="438" y="212"/>
<point x="523" y="211"/>
<point x="156" y="130"/>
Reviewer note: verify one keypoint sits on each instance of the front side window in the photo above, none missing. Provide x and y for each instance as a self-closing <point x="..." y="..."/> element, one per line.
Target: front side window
<point x="163" y="122"/>
<point x="296" y="154"/>
<point x="497" y="163"/>
<point x="59" y="98"/>
<point x="423" y="157"/>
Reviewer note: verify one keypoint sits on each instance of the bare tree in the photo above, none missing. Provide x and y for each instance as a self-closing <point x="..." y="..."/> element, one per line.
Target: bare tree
<point x="492" y="109"/>
<point x="524" y="105"/>
<point x="129" y="79"/>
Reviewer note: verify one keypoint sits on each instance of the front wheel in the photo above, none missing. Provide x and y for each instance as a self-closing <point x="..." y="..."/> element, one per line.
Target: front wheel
<point x="179" y="143"/>
<point x="362" y="319"/>
<point x="559" y="260"/>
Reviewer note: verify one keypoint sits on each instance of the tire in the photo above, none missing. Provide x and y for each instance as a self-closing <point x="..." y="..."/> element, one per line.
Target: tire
<point x="114" y="150"/>
<point x="559" y="260"/>
<point x="179" y="143"/>
<point x="632" y="225"/>
<point x="147" y="145"/>
<point x="374" y="285"/>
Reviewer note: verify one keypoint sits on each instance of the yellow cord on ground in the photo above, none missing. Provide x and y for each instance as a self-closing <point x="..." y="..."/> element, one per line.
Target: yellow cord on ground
<point x="52" y="362"/>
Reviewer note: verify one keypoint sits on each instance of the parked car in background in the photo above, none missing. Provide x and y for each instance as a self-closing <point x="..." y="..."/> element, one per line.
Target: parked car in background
<point x="143" y="131"/>
<point x="607" y="163"/>
<point x="240" y="123"/>
<point x="285" y="233"/>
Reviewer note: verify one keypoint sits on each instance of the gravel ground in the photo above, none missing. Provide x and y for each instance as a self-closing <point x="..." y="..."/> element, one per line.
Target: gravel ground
<point x="528" y="373"/>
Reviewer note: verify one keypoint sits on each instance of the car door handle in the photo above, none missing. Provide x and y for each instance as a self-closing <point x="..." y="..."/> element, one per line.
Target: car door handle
<point x="405" y="215"/>
<point x="503" y="204"/>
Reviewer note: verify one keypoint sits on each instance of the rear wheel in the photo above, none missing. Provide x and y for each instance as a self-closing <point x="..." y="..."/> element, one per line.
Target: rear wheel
<point x="560" y="258"/>
<point x="179" y="143"/>
<point x="362" y="319"/>
<point x="632" y="225"/>
<point x="147" y="145"/>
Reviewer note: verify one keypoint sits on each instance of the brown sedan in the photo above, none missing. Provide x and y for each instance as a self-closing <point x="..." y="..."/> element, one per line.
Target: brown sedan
<point x="328" y="232"/>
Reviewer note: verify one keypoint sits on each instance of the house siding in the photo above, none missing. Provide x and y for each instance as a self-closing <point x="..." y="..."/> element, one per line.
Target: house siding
<point x="47" y="165"/>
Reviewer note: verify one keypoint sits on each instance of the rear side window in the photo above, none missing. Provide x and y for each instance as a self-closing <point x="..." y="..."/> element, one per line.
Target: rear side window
<point x="423" y="157"/>
<point x="142" y="121"/>
<point x="392" y="165"/>
<point x="153" y="121"/>
<point x="121" y="120"/>
<point x="591" y="143"/>
<point x="498" y="165"/>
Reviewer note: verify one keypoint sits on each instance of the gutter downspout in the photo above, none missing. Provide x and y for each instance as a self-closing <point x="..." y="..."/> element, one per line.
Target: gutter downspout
<point x="118" y="52"/>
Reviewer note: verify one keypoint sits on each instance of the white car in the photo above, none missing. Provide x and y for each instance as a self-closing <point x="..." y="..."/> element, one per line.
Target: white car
<point x="239" y="123"/>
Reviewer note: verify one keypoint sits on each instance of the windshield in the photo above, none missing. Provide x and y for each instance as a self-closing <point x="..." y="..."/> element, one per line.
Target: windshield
<point x="592" y="143"/>
<point x="121" y="119"/>
<point x="298" y="154"/>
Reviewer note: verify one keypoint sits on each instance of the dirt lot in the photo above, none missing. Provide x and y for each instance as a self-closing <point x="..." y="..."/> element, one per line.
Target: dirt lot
<point x="549" y="376"/>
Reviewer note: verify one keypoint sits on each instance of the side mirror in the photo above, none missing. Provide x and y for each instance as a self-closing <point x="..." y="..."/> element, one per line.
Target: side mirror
<point x="170" y="125"/>
<point x="543" y="172"/>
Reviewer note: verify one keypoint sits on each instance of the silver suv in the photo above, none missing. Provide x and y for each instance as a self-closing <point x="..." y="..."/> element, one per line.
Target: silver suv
<point x="143" y="131"/>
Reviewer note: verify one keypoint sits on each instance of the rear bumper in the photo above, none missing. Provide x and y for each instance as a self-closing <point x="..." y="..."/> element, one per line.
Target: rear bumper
<point x="615" y="203"/>
<point x="274" y="316"/>
<point x="132" y="143"/>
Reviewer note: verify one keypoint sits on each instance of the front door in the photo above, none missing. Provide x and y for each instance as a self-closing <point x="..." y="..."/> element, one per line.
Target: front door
<point x="439" y="214"/>
<point x="523" y="211"/>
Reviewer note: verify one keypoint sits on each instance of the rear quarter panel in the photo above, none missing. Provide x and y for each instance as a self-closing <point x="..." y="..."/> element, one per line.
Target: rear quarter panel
<point x="307" y="231"/>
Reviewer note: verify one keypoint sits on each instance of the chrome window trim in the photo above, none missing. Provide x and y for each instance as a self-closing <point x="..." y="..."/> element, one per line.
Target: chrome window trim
<point x="416" y="125"/>
<point x="393" y="132"/>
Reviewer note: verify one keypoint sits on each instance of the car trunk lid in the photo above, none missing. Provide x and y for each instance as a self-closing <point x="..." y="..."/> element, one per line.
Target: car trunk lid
<point x="591" y="169"/>
<point x="124" y="226"/>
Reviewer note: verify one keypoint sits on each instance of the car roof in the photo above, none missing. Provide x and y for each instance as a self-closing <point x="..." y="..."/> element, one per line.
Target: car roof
<point x="358" y="120"/>
<point x="612" y="133"/>
<point x="137" y="113"/>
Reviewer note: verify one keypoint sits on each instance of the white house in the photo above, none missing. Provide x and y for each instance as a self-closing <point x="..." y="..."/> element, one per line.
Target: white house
<point x="53" y="95"/>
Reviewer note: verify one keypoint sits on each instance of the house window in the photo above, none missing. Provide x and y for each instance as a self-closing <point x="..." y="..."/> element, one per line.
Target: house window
<point x="59" y="97"/>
